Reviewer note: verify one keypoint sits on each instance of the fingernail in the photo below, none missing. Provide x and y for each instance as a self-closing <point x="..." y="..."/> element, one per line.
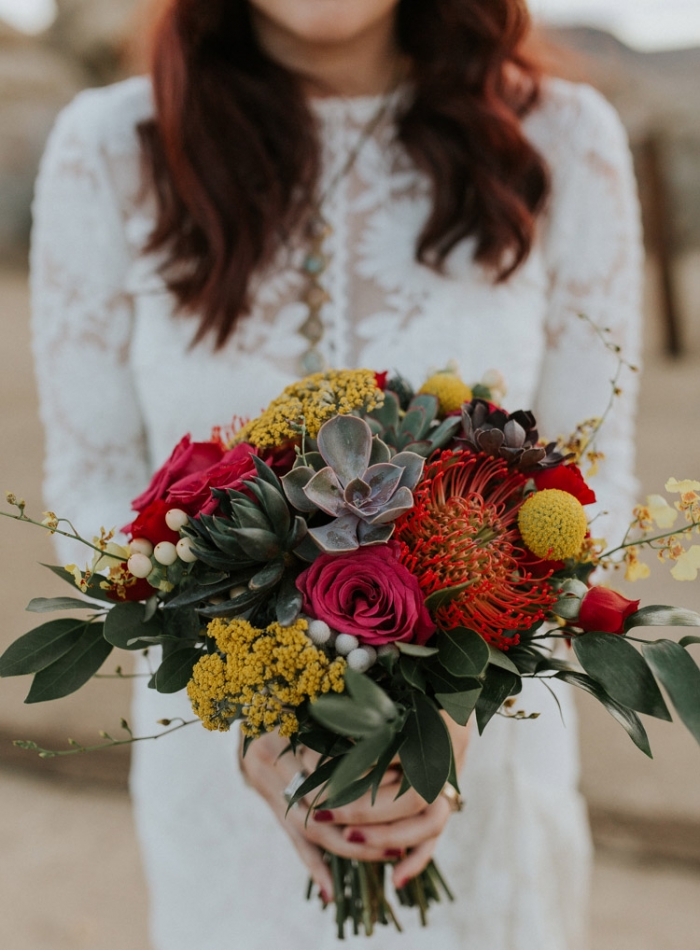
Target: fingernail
<point x="356" y="837"/>
<point x="393" y="853"/>
<point x="401" y="884"/>
<point x="323" y="815"/>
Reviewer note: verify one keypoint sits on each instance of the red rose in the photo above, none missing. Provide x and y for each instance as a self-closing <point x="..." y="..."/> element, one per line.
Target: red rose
<point x="150" y="524"/>
<point x="193" y="492"/>
<point x="369" y="594"/>
<point x="566" y="478"/>
<point x="605" y="611"/>
<point x="187" y="458"/>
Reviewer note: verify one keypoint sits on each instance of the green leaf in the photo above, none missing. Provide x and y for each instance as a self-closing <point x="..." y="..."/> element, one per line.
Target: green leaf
<point x="270" y="575"/>
<point x="259" y="544"/>
<point x="41" y="647"/>
<point x="202" y="592"/>
<point x="689" y="641"/>
<point x="622" y="672"/>
<point x="124" y="624"/>
<point x="463" y="652"/>
<point x="175" y="672"/>
<point x="365" y="692"/>
<point x="444" y="682"/>
<point x="459" y="706"/>
<point x="678" y="673"/>
<point x="73" y="669"/>
<point x="502" y="660"/>
<point x="317" y="778"/>
<point x="342" y="715"/>
<point x="412" y="672"/>
<point x="353" y="765"/>
<point x="441" y="597"/>
<point x="94" y="590"/>
<point x="498" y="686"/>
<point x="426" y="753"/>
<point x="275" y="507"/>
<point x="289" y="602"/>
<point x="45" y="605"/>
<point x="414" y="649"/>
<point x="658" y="616"/>
<point x="627" y="718"/>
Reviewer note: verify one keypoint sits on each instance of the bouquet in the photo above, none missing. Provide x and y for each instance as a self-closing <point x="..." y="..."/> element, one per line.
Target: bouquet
<point x="355" y="565"/>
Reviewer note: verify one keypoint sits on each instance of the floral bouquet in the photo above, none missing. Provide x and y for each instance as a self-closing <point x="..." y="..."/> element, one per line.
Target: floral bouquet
<point x="354" y="566"/>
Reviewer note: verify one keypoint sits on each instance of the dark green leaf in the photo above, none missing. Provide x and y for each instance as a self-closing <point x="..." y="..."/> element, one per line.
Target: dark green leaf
<point x="441" y="597"/>
<point x="297" y="533"/>
<point x="234" y="607"/>
<point x="412" y="672"/>
<point x="658" y="616"/>
<point x="426" y="753"/>
<point x="388" y="413"/>
<point x="275" y="506"/>
<point x="627" y="718"/>
<point x="444" y="682"/>
<point x="678" y="673"/>
<point x="175" y="672"/>
<point x="73" y="669"/>
<point x="414" y="649"/>
<point x="266" y="474"/>
<point x="41" y="647"/>
<point x="342" y="715"/>
<point x="199" y="593"/>
<point x="94" y="590"/>
<point x="258" y="544"/>
<point x="383" y="764"/>
<point x="614" y="663"/>
<point x="459" y="706"/>
<point x="289" y="602"/>
<point x="317" y="778"/>
<point x="270" y="575"/>
<point x="45" y="605"/>
<point x="463" y="652"/>
<point x="689" y="641"/>
<point x="184" y="624"/>
<point x="499" y="658"/>
<point x="125" y="623"/>
<point x="498" y="686"/>
<point x="357" y="762"/>
<point x="365" y="692"/>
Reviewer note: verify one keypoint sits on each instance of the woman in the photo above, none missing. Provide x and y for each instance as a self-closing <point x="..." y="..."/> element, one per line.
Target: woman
<point x="357" y="183"/>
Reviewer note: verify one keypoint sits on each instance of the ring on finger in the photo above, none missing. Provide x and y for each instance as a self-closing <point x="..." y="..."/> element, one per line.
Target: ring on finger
<point x="454" y="799"/>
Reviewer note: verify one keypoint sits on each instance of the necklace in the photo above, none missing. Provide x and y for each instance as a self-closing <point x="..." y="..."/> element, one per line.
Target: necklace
<point x="317" y="258"/>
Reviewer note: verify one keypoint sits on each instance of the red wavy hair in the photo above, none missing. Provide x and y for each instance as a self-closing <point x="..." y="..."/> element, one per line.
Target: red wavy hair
<point x="232" y="154"/>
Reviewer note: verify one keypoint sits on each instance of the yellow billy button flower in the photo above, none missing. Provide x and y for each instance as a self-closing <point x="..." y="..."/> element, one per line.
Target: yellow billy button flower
<point x="553" y="524"/>
<point x="450" y="390"/>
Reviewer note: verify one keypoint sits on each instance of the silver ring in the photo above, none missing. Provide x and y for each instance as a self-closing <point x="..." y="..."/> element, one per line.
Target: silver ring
<point x="294" y="786"/>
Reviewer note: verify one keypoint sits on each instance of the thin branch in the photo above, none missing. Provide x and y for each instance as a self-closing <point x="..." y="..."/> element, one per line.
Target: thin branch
<point x="78" y="749"/>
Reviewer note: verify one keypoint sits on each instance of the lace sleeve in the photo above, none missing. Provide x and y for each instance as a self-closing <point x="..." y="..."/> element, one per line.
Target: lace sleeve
<point x="594" y="254"/>
<point x="81" y="323"/>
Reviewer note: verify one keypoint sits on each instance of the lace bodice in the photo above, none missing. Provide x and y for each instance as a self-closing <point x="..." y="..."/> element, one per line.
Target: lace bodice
<point x="119" y="385"/>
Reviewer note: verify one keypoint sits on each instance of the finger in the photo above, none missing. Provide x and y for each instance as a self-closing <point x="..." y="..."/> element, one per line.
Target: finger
<point x="317" y="867"/>
<point x="386" y="808"/>
<point x="416" y="861"/>
<point x="331" y="838"/>
<point x="402" y="834"/>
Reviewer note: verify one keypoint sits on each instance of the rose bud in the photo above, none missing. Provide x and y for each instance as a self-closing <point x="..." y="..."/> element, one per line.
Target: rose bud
<point x="571" y="593"/>
<point x="605" y="611"/>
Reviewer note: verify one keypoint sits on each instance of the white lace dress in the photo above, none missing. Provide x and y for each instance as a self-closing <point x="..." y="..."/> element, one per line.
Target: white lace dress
<point x="119" y="386"/>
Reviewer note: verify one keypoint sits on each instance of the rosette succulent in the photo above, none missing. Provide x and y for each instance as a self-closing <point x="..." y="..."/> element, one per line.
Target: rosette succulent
<point x="360" y="485"/>
<point x="512" y="437"/>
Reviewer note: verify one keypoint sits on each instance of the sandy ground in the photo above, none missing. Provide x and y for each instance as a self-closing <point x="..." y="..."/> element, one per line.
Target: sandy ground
<point x="69" y="871"/>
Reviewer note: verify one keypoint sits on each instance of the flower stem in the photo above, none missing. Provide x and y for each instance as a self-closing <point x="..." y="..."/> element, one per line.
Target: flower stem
<point x="74" y="536"/>
<point x="659" y="537"/>
<point x="112" y="743"/>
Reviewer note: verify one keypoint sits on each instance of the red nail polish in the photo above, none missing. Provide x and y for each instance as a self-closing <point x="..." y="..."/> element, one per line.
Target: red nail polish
<point x="356" y="837"/>
<point x="400" y="885"/>
<point x="393" y="853"/>
<point x="323" y="815"/>
<point x="325" y="898"/>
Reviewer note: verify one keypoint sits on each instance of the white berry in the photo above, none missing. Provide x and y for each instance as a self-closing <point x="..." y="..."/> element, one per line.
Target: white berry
<point x="345" y="643"/>
<point x="176" y="518"/>
<point x="388" y="649"/>
<point x="319" y="632"/>
<point x="165" y="553"/>
<point x="185" y="552"/>
<point x="361" y="659"/>
<point x="139" y="565"/>
<point x="141" y="546"/>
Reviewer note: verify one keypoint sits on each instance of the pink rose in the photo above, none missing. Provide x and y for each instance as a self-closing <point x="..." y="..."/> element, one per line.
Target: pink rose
<point x="187" y="458"/>
<point x="193" y="492"/>
<point x="369" y="594"/>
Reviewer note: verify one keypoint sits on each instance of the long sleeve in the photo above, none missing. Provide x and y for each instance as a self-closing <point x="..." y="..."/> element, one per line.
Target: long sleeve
<point x="594" y="255"/>
<point x="82" y="323"/>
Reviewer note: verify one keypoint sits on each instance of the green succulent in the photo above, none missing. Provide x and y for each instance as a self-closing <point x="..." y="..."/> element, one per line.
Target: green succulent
<point x="417" y="429"/>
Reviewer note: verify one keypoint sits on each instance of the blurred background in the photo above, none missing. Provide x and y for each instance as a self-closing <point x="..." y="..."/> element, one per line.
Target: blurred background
<point x="69" y="871"/>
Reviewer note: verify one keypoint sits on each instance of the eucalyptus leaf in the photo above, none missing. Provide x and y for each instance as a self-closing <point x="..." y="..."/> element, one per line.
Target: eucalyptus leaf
<point x="627" y="718"/>
<point x="426" y="752"/>
<point x="459" y="706"/>
<point x="175" y="672"/>
<point x="366" y="692"/>
<point x="412" y="672"/>
<point x="501" y="659"/>
<point x="414" y="649"/>
<point x="498" y="686"/>
<point x="357" y="762"/>
<point x="658" y="616"/>
<point x="342" y="715"/>
<point x="622" y="672"/>
<point x="678" y="673"/>
<point x="441" y="597"/>
<point x="463" y="652"/>
<point x="124" y="625"/>
<point x="73" y="669"/>
<point x="45" y="605"/>
<point x="317" y="778"/>
<point x="41" y="647"/>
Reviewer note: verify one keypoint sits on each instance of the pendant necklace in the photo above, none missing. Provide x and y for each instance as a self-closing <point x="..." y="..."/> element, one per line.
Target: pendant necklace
<point x="317" y="258"/>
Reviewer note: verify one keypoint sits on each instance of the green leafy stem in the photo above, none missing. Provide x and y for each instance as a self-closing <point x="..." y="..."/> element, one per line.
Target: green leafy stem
<point x="72" y="534"/>
<point x="78" y="748"/>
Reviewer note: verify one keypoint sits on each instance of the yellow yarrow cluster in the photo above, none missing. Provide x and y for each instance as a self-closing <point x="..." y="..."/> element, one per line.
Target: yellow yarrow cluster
<point x="261" y="677"/>
<point x="451" y="391"/>
<point x="553" y="524"/>
<point x="313" y="401"/>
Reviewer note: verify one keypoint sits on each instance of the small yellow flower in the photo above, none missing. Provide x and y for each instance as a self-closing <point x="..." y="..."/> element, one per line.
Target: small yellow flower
<point x="553" y="524"/>
<point x="81" y="580"/>
<point x="50" y="521"/>
<point x="635" y="570"/>
<point x="108" y="559"/>
<point x="661" y="512"/>
<point x="451" y="391"/>
<point x="688" y="565"/>
<point x="675" y="487"/>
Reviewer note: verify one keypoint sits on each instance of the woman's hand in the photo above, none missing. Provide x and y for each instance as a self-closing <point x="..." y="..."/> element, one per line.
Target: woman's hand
<point x="405" y="829"/>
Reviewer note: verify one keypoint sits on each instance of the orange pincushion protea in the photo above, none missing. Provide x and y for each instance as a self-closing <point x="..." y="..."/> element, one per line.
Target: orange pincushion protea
<point x="463" y="529"/>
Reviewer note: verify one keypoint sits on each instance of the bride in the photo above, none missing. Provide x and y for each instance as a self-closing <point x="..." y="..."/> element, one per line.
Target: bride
<point x="308" y="183"/>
